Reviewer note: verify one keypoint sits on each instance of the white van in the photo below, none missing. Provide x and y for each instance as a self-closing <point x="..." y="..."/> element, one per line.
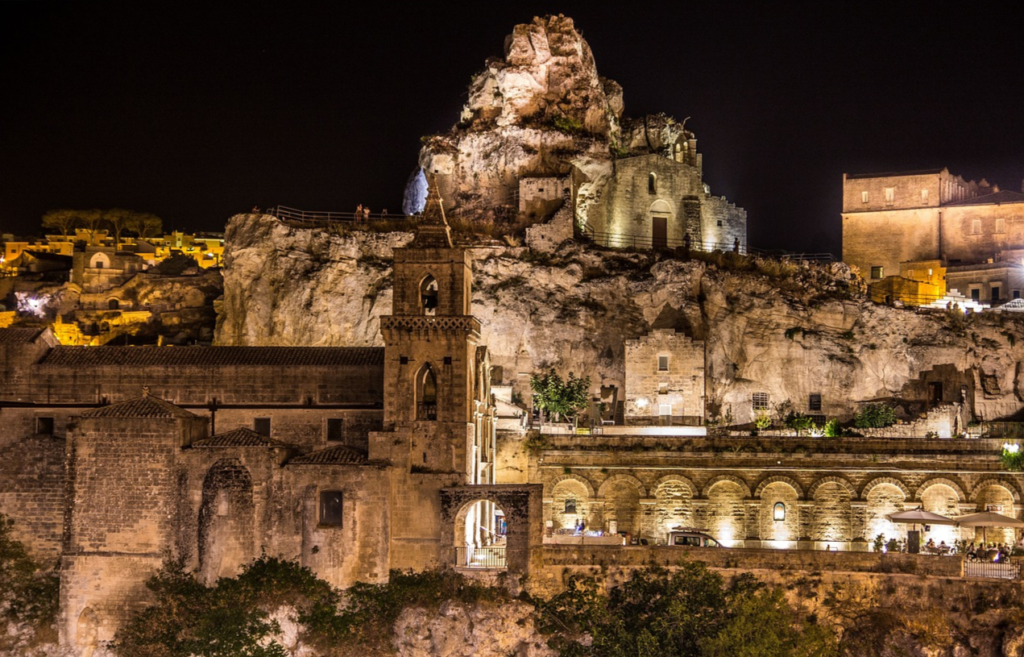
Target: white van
<point x="686" y="538"/>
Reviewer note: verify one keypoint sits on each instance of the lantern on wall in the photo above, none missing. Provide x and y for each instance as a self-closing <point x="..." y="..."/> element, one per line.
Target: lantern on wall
<point x="779" y="512"/>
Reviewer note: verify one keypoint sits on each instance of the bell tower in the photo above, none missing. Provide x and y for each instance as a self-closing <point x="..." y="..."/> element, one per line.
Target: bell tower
<point x="432" y="353"/>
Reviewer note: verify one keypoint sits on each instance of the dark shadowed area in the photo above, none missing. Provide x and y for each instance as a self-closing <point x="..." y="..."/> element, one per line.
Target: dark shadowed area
<point x="195" y="112"/>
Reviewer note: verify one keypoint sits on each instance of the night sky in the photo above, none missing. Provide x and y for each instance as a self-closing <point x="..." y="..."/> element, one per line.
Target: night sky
<point x="198" y="111"/>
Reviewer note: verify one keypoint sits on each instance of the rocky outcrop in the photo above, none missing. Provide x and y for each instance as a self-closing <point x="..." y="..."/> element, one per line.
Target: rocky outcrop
<point x="542" y="110"/>
<point x="458" y="629"/>
<point x="786" y="329"/>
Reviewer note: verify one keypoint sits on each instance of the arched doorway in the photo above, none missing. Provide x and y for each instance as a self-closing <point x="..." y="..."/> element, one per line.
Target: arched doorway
<point x="517" y="514"/>
<point x="225" y="521"/>
<point x="481" y="528"/>
<point x="660" y="212"/>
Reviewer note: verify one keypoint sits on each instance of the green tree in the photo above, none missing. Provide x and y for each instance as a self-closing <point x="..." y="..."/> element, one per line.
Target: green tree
<point x="566" y="398"/>
<point x="875" y="416"/>
<point x="63" y="221"/>
<point x="144" y="224"/>
<point x="93" y="221"/>
<point x="762" y="624"/>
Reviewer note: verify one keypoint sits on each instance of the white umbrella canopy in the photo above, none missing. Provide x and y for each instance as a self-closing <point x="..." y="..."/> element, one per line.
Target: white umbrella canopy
<point x="988" y="519"/>
<point x="922" y="517"/>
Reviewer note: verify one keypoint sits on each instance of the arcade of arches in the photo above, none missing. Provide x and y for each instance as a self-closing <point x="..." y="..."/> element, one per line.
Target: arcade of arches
<point x="772" y="512"/>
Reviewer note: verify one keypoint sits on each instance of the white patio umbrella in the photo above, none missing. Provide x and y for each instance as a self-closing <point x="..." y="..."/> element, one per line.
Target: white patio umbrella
<point x="987" y="519"/>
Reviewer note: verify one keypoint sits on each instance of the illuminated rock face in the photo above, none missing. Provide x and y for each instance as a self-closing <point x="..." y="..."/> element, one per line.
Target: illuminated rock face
<point x="541" y="119"/>
<point x="786" y="334"/>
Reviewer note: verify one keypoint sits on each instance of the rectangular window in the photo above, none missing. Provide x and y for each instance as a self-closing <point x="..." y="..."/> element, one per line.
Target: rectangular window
<point x="814" y="402"/>
<point x="330" y="508"/>
<point x="261" y="425"/>
<point x="1016" y="294"/>
<point x="890" y="194"/>
<point x="863" y="197"/>
<point x="335" y="429"/>
<point x="924" y="195"/>
<point x="664" y="409"/>
<point x="44" y="426"/>
<point x="995" y="293"/>
<point x="976" y="227"/>
<point x="1000" y="225"/>
<point x="759" y="401"/>
<point x="877" y="272"/>
<point x="662" y="363"/>
<point x="570" y="506"/>
<point x="976" y="294"/>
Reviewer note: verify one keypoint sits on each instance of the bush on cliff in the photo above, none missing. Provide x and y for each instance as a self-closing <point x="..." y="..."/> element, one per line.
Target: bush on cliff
<point x="235" y="616"/>
<point x="28" y="592"/>
<point x="875" y="416"/>
<point x="688" y="613"/>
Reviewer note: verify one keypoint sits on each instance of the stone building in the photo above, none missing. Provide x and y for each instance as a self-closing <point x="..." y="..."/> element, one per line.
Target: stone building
<point x="664" y="379"/>
<point x="115" y="458"/>
<point x="658" y="200"/>
<point x="893" y="218"/>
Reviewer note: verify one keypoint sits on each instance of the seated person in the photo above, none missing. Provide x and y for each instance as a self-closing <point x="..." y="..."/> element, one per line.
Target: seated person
<point x="943" y="548"/>
<point x="930" y="543"/>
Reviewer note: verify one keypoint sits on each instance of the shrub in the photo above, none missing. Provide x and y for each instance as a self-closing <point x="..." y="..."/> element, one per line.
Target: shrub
<point x="29" y="593"/>
<point x="763" y="421"/>
<point x="800" y="423"/>
<point x="1012" y="458"/>
<point x="833" y="429"/>
<point x="875" y="416"/>
<point x="567" y="124"/>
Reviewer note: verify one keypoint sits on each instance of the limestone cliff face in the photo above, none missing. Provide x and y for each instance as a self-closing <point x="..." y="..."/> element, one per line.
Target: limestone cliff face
<point x="788" y="330"/>
<point x="542" y="110"/>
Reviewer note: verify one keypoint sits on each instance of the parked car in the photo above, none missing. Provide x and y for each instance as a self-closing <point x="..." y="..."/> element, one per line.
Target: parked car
<point x="692" y="539"/>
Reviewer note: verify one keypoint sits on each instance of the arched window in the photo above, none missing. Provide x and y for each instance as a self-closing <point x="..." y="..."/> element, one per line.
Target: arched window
<point x="779" y="512"/>
<point x="652" y="183"/>
<point x="426" y="394"/>
<point x="428" y="295"/>
<point x="113" y="304"/>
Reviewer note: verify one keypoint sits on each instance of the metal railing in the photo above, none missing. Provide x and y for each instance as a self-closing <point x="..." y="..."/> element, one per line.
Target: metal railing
<point x="491" y="557"/>
<point x="294" y="214"/>
<point x="1003" y="570"/>
<point x="635" y="241"/>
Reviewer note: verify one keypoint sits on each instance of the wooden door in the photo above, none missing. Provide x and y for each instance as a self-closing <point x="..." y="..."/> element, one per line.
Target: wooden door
<point x="659" y="236"/>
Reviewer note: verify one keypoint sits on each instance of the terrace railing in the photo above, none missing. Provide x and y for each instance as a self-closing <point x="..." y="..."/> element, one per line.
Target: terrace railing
<point x="307" y="216"/>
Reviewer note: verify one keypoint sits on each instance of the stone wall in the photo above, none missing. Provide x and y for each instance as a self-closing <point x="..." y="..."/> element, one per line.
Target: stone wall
<point x="628" y="203"/>
<point x="680" y="386"/>
<point x="886" y="238"/>
<point x="835" y="492"/>
<point x="722" y="224"/>
<point x="32" y="491"/>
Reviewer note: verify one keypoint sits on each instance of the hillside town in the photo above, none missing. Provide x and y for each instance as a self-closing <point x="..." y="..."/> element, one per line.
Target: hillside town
<point x="565" y="361"/>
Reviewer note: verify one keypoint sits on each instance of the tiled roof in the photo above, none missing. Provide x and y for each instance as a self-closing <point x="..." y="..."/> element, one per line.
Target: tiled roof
<point x="341" y="454"/>
<point x="19" y="334"/>
<point x="238" y="438"/>
<point x="214" y="356"/>
<point x="144" y="406"/>
<point x="1004" y="196"/>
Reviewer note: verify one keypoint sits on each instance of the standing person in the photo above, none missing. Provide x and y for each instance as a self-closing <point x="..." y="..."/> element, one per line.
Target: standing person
<point x="366" y="213"/>
<point x="384" y="213"/>
<point x="359" y="212"/>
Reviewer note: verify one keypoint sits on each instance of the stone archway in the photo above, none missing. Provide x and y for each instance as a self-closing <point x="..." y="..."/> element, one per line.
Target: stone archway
<point x="571" y="501"/>
<point x="779" y="514"/>
<point x="724" y="513"/>
<point x="673" y="506"/>
<point x="998" y="497"/>
<point x="226" y="518"/>
<point x="833" y="511"/>
<point x="882" y="497"/>
<point x="523" y="509"/>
